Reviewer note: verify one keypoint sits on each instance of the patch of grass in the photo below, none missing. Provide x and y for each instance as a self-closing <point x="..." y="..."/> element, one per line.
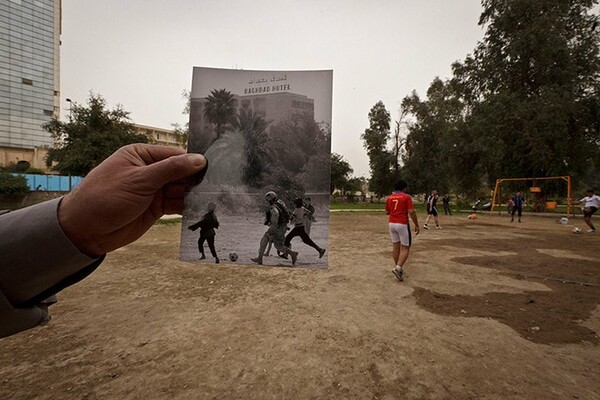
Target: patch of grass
<point x="357" y="206"/>
<point x="170" y="221"/>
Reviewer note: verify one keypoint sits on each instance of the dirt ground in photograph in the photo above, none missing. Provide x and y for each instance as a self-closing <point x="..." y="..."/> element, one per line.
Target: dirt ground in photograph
<point x="488" y="310"/>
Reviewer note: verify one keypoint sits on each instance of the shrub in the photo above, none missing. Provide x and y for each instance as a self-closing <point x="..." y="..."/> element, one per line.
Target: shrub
<point x="13" y="186"/>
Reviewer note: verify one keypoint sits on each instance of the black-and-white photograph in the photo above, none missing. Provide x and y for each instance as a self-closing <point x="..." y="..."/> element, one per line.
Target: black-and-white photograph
<point x="265" y="197"/>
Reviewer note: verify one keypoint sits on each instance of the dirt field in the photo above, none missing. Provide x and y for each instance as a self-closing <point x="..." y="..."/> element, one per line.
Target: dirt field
<point x="483" y="314"/>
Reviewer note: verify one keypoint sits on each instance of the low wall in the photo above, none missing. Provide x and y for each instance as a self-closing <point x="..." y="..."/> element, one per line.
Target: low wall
<point x="30" y="199"/>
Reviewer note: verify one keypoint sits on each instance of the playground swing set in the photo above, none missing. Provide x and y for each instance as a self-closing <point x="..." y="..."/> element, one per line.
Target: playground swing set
<point x="539" y="197"/>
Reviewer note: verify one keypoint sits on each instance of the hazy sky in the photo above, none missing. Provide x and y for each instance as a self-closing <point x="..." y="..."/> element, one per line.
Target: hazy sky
<point x="140" y="53"/>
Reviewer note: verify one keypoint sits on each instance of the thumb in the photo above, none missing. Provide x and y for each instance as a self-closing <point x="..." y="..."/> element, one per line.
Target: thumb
<point x="174" y="168"/>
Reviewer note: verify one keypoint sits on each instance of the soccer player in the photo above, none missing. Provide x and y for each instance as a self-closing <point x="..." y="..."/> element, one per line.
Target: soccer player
<point x="207" y="225"/>
<point x="431" y="207"/>
<point x="277" y="221"/>
<point x="299" y="218"/>
<point x="398" y="206"/>
<point x="591" y="203"/>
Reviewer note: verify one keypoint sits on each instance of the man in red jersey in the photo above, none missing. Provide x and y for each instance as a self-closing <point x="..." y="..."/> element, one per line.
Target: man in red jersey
<point x="398" y="206"/>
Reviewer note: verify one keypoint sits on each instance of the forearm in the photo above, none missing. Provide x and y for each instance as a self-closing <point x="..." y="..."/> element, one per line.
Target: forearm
<point x="37" y="260"/>
<point x="413" y="216"/>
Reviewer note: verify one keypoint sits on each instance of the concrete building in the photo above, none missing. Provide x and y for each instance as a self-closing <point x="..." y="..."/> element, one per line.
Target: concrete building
<point x="165" y="137"/>
<point x="273" y="107"/>
<point x="29" y="78"/>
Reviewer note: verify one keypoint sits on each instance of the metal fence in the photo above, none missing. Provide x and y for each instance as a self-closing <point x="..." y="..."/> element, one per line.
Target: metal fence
<point x="51" y="183"/>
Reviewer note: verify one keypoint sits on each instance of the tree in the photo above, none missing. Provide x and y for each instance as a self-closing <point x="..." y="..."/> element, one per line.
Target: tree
<point x="533" y="88"/>
<point x="13" y="186"/>
<point x="253" y="129"/>
<point x="182" y="133"/>
<point x="375" y="142"/>
<point x="437" y="150"/>
<point x="220" y="110"/>
<point x="90" y="135"/>
<point x="525" y="103"/>
<point x="340" y="172"/>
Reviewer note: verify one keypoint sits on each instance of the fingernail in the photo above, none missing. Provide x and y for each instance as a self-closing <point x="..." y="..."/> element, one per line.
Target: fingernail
<point x="197" y="159"/>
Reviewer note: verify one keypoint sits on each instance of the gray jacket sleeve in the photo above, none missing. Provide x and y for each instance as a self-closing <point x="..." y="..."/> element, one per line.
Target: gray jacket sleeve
<point x="37" y="260"/>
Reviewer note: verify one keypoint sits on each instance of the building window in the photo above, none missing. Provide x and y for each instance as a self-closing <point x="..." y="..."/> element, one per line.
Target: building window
<point x="157" y="136"/>
<point x="27" y="81"/>
<point x="49" y="113"/>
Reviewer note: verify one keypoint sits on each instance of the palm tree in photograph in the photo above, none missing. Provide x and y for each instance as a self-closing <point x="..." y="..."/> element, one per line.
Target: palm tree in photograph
<point x="253" y="129"/>
<point x="220" y="110"/>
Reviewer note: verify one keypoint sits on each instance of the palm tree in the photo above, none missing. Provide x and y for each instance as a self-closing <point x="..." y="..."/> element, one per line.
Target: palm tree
<point x="253" y="128"/>
<point x="220" y="109"/>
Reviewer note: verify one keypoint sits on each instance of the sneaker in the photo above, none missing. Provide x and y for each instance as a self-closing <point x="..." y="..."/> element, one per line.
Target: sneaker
<point x="321" y="252"/>
<point x="257" y="260"/>
<point x="294" y="255"/>
<point x="592" y="230"/>
<point x="438" y="227"/>
<point x="425" y="226"/>
<point x="282" y="255"/>
<point x="203" y="257"/>
<point x="398" y="273"/>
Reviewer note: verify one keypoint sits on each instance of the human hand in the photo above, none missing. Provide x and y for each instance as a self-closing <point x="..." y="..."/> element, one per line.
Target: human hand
<point x="122" y="197"/>
<point x="417" y="229"/>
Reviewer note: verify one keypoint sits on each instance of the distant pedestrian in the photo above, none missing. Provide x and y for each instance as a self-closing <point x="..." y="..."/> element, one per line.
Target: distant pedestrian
<point x="446" y="202"/>
<point x="591" y="203"/>
<point x="399" y="206"/>
<point x="518" y="200"/>
<point x="431" y="208"/>
<point x="299" y="217"/>
<point x="207" y="224"/>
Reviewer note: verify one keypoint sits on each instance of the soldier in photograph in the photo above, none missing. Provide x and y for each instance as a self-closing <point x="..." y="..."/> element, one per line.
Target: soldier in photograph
<point x="278" y="219"/>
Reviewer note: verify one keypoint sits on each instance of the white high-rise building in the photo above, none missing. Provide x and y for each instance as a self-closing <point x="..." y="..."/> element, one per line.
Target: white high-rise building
<point x="29" y="77"/>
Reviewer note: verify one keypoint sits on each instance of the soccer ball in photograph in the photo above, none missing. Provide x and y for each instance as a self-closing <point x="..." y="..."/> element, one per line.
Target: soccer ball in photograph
<point x="576" y="230"/>
<point x="233" y="256"/>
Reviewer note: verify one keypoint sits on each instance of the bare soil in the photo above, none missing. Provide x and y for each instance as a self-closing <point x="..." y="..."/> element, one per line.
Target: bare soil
<point x="489" y="310"/>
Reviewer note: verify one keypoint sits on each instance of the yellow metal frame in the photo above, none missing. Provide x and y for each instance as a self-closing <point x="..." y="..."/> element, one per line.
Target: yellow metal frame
<point x="564" y="178"/>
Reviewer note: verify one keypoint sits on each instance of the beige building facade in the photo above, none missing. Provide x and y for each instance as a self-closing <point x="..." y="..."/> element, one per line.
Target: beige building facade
<point x="164" y="137"/>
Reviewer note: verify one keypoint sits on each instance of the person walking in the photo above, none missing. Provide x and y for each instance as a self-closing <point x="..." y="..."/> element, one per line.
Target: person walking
<point x="591" y="203"/>
<point x="398" y="206"/>
<point x="278" y="218"/>
<point x="446" y="203"/>
<point x="299" y="217"/>
<point x="431" y="207"/>
<point x="207" y="224"/>
<point x="517" y="200"/>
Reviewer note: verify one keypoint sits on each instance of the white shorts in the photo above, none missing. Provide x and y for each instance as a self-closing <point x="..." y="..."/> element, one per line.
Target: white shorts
<point x="400" y="233"/>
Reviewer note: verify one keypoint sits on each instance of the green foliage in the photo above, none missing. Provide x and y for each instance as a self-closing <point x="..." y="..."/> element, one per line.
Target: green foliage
<point x="340" y="173"/>
<point x="91" y="134"/>
<point x="12" y="186"/>
<point x="381" y="160"/>
<point x="526" y="103"/>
